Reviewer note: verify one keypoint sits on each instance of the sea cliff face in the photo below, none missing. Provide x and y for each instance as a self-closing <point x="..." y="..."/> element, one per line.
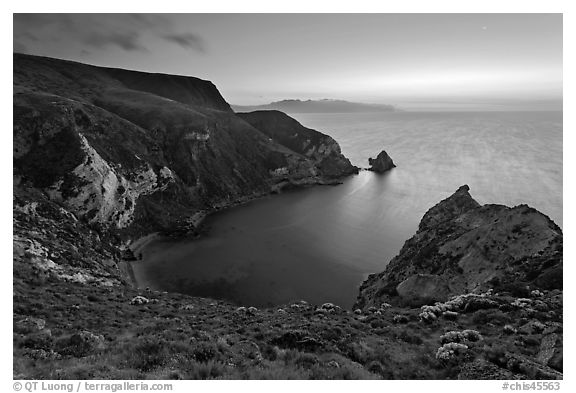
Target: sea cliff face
<point x="141" y="152"/>
<point x="462" y="247"/>
<point x="321" y="149"/>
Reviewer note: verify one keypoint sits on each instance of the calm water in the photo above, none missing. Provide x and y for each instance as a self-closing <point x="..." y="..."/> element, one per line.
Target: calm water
<point x="318" y="244"/>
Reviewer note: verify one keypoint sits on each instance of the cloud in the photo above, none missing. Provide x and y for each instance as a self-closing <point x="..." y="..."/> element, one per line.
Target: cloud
<point x="27" y="36"/>
<point x="127" y="32"/>
<point x="20" y="47"/>
<point x="187" y="40"/>
<point x="129" y="41"/>
<point x="36" y="20"/>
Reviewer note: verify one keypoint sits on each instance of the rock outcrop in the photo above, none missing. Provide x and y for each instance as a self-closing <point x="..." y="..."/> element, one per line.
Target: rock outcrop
<point x="381" y="163"/>
<point x="462" y="247"/>
<point x="423" y="288"/>
<point x="142" y="152"/>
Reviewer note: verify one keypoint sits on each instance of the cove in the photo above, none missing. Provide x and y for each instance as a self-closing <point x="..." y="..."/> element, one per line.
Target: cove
<point x="319" y="243"/>
<point x="316" y="244"/>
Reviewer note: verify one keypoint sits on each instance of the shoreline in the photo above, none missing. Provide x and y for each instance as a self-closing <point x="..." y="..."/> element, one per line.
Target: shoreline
<point x="194" y="224"/>
<point x="137" y="245"/>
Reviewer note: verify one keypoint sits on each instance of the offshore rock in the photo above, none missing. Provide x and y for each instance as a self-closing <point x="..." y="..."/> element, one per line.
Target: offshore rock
<point x="381" y="163"/>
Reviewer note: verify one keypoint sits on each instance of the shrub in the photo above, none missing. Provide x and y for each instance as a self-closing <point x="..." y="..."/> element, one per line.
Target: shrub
<point x="375" y="367"/>
<point x="269" y="352"/>
<point x="496" y="317"/>
<point x="530" y="341"/>
<point x="147" y="355"/>
<point x="409" y="338"/>
<point x="496" y="355"/>
<point x="306" y="360"/>
<point x="450" y="352"/>
<point x="465" y="336"/>
<point x="400" y="319"/>
<point x="206" y="370"/>
<point x="469" y="302"/>
<point x="333" y="334"/>
<point x="297" y="339"/>
<point x="450" y="315"/>
<point x="377" y="323"/>
<point x="204" y="351"/>
<point x="516" y="289"/>
<point x="38" y="340"/>
<point x="360" y="352"/>
<point x="275" y="371"/>
<point x="80" y="344"/>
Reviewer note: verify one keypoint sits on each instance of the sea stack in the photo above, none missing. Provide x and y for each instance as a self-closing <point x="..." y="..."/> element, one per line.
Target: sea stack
<point x="381" y="163"/>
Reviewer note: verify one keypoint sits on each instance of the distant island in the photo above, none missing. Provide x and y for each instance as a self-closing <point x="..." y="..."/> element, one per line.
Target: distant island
<point x="317" y="106"/>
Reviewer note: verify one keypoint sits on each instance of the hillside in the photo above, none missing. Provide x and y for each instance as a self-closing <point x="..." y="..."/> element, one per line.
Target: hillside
<point x="317" y="106"/>
<point x="281" y="128"/>
<point x="144" y="152"/>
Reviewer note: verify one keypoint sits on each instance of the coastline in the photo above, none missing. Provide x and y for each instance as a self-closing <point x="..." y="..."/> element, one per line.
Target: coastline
<point x="194" y="225"/>
<point x="137" y="245"/>
<point x="195" y="222"/>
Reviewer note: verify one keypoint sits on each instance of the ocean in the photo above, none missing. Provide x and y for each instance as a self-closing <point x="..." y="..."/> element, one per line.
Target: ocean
<point x="318" y="244"/>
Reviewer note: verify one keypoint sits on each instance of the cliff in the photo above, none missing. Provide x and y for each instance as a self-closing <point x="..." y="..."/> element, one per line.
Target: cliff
<point x="322" y="149"/>
<point x="88" y="83"/>
<point x="462" y="247"/>
<point x="142" y="152"/>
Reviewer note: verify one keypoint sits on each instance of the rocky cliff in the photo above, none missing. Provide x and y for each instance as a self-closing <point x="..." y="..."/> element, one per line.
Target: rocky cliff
<point x="322" y="149"/>
<point x="140" y="152"/>
<point x="462" y="247"/>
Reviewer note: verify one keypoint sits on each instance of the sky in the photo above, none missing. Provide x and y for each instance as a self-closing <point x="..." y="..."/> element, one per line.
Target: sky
<point x="414" y="61"/>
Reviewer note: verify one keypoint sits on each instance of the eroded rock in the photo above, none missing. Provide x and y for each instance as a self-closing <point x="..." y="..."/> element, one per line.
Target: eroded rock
<point x="381" y="163"/>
